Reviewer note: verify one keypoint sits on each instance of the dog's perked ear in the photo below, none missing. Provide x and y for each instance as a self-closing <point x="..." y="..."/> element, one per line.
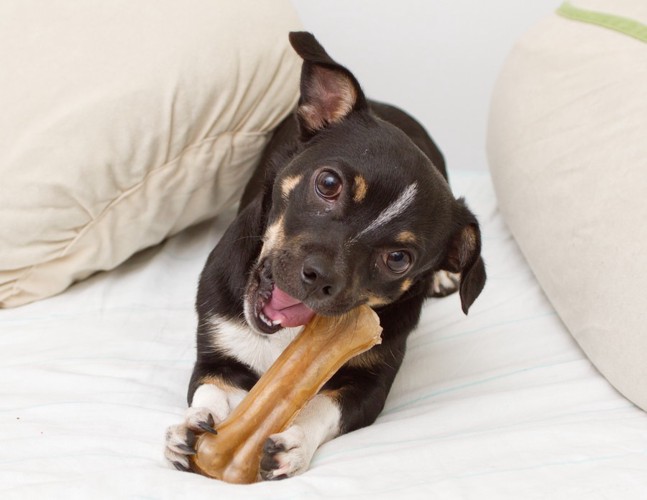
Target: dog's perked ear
<point x="329" y="92"/>
<point x="464" y="256"/>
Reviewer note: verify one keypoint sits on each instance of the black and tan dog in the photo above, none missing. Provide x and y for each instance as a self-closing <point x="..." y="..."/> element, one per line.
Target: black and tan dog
<point x="350" y="205"/>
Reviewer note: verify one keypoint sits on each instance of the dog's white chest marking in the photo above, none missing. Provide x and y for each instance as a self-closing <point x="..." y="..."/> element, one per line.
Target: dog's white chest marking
<point x="255" y="350"/>
<point x="394" y="210"/>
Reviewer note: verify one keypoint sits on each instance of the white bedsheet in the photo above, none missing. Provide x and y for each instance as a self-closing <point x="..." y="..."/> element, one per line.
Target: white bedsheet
<point x="499" y="404"/>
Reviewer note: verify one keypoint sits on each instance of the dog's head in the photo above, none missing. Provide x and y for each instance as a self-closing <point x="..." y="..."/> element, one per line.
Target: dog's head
<point x="358" y="215"/>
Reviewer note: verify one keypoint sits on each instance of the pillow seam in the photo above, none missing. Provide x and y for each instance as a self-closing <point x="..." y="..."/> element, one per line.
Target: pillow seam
<point x="620" y="24"/>
<point x="15" y="289"/>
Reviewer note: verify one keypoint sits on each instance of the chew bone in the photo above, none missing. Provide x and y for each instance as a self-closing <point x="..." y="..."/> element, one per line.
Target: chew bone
<point x="324" y="345"/>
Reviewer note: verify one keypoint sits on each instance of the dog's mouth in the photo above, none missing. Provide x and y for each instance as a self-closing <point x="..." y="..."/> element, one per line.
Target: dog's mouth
<point x="272" y="308"/>
<point x="284" y="310"/>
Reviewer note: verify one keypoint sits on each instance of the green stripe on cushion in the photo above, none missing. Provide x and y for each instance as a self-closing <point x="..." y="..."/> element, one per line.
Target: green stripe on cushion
<point x="621" y="24"/>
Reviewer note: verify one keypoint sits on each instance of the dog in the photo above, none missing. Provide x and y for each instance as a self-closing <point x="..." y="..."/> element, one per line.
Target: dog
<point x="349" y="205"/>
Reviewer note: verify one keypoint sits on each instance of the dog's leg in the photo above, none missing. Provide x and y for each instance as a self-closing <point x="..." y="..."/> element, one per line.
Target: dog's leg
<point x="219" y="382"/>
<point x="289" y="453"/>
<point x="212" y="402"/>
<point x="353" y="398"/>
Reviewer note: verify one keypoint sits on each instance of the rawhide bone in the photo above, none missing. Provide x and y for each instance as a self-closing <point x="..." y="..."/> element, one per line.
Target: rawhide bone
<point x="309" y="361"/>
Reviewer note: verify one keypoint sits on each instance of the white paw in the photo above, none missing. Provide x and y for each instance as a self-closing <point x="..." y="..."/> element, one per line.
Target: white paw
<point x="181" y="438"/>
<point x="212" y="405"/>
<point x="444" y="283"/>
<point x="286" y="454"/>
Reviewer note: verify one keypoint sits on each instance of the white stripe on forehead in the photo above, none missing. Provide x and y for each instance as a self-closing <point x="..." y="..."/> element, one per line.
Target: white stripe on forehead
<point x="394" y="210"/>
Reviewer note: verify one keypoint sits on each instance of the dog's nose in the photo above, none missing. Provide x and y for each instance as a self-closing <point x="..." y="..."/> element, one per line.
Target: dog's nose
<point x="318" y="277"/>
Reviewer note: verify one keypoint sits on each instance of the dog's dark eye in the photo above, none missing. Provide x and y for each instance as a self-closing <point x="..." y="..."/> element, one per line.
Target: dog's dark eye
<point x="398" y="262"/>
<point x="328" y="185"/>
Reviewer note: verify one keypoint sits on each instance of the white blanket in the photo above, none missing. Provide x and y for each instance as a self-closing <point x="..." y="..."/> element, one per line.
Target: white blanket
<point x="499" y="404"/>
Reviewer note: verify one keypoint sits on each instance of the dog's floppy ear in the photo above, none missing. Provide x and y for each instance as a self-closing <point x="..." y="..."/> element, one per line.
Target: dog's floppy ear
<point x="464" y="256"/>
<point x="329" y="92"/>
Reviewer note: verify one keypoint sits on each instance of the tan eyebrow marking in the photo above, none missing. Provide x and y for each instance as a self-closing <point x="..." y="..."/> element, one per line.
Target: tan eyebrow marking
<point x="406" y="237"/>
<point x="288" y="184"/>
<point x="360" y="189"/>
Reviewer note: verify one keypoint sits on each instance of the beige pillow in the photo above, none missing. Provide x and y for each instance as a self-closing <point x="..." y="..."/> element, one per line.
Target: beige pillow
<point x="567" y="146"/>
<point x="125" y="122"/>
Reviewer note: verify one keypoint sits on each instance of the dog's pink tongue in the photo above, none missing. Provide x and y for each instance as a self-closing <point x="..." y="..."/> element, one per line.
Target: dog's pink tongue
<point x="288" y="310"/>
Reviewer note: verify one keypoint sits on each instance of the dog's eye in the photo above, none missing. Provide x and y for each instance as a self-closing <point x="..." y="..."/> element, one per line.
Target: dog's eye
<point x="328" y="185"/>
<point x="398" y="262"/>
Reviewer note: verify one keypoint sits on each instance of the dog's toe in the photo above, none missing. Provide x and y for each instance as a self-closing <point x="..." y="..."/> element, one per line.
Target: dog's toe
<point x="284" y="455"/>
<point x="181" y="467"/>
<point x="276" y="462"/>
<point x="201" y="420"/>
<point x="270" y="461"/>
<point x="181" y="438"/>
<point x="180" y="442"/>
<point x="444" y="283"/>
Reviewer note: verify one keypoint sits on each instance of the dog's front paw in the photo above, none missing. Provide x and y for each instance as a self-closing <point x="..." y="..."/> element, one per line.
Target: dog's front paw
<point x="181" y="438"/>
<point x="444" y="283"/>
<point x="286" y="454"/>
<point x="211" y="406"/>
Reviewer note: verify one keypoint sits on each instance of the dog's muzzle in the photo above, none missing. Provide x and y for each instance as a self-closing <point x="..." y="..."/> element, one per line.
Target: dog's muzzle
<point x="319" y="279"/>
<point x="268" y="308"/>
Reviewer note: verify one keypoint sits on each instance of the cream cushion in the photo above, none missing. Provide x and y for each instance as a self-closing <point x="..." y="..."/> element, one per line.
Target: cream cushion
<point x="567" y="146"/>
<point x="124" y="122"/>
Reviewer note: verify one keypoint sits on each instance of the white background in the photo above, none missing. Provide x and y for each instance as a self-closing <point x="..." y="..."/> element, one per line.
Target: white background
<point x="436" y="59"/>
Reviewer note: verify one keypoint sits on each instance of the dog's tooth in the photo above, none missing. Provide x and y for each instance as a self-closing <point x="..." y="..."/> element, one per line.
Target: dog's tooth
<point x="276" y="322"/>
<point x="265" y="319"/>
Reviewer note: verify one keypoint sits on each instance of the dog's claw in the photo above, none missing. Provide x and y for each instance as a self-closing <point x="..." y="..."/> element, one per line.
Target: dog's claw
<point x="271" y="447"/>
<point x="188" y="450"/>
<point x="269" y="462"/>
<point x="190" y="438"/>
<point x="181" y="467"/>
<point x="207" y="428"/>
